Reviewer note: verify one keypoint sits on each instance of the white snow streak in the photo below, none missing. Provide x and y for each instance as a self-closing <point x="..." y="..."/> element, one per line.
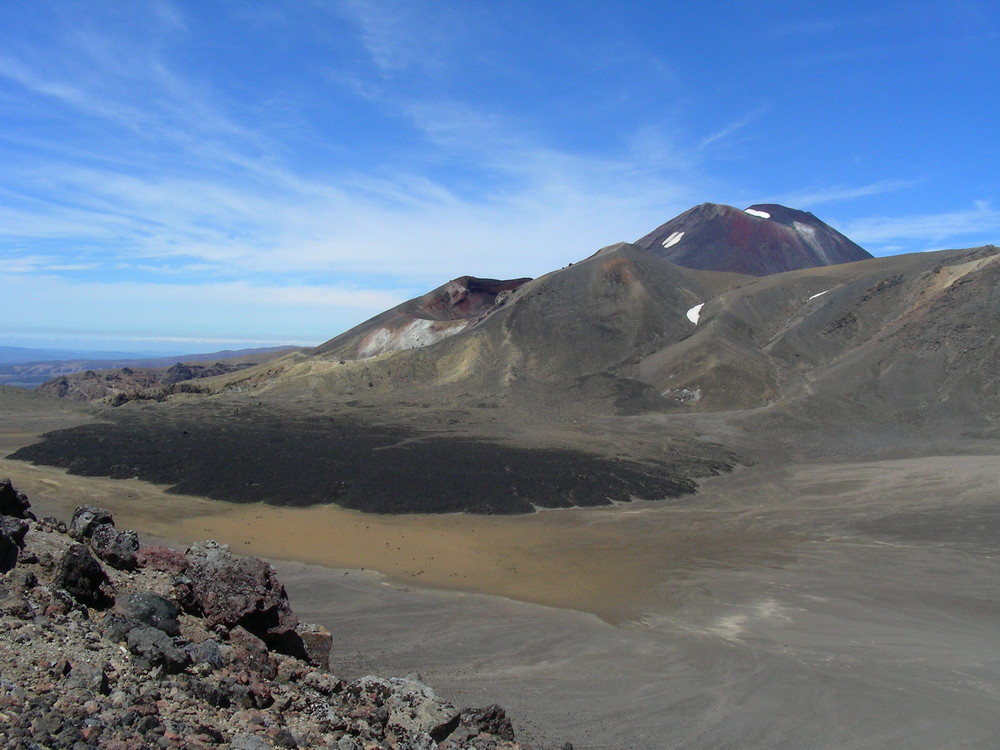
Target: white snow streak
<point x="694" y="313"/>
<point x="755" y="212"/>
<point x="673" y="239"/>
<point x="818" y="295"/>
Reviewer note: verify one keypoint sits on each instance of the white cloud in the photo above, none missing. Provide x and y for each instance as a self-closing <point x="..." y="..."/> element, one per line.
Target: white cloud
<point x="228" y="210"/>
<point x="43" y="303"/>
<point x="981" y="221"/>
<point x="733" y="127"/>
<point x="39" y="264"/>
<point x="170" y="180"/>
<point x="806" y="199"/>
<point x="397" y="35"/>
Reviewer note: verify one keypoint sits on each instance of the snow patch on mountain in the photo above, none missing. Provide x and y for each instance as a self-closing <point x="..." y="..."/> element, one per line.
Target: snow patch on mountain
<point x="695" y="313"/>
<point x="755" y="212"/>
<point x="673" y="239"/>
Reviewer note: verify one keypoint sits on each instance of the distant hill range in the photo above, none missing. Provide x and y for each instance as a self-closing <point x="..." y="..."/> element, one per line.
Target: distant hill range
<point x="631" y="372"/>
<point x="15" y="355"/>
<point x="30" y="368"/>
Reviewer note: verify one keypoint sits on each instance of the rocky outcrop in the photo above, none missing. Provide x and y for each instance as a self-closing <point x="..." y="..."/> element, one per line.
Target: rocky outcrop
<point x="86" y="518"/>
<point x="12" y="502"/>
<point x="80" y="575"/>
<point x="187" y="650"/>
<point x="12" y="532"/>
<point x="244" y="592"/>
<point x="118" y="386"/>
<point x="116" y="548"/>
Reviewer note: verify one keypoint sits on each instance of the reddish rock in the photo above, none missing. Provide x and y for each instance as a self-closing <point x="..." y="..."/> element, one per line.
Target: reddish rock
<point x="250" y="653"/>
<point x="242" y="592"/>
<point x="164" y="559"/>
<point x="317" y="641"/>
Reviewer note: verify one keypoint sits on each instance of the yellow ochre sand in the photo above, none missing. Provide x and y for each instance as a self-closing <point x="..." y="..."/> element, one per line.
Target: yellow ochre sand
<point x="598" y="560"/>
<point x="617" y="562"/>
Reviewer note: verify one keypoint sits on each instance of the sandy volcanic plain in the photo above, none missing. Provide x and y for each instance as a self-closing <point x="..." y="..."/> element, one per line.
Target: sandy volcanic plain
<point x="789" y="604"/>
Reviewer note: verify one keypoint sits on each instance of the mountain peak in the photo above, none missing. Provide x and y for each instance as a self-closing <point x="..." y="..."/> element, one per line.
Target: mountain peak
<point x="760" y="240"/>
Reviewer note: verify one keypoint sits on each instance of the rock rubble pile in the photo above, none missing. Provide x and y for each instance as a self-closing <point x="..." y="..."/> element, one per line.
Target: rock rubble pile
<point x="108" y="643"/>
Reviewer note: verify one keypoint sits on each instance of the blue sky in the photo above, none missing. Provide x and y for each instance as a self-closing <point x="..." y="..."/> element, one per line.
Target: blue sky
<point x="192" y="175"/>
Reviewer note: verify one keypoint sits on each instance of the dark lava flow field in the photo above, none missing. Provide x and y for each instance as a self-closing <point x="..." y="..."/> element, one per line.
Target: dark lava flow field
<point x="259" y="455"/>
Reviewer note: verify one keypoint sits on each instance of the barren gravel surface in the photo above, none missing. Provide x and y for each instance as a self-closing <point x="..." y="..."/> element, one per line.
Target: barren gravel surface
<point x="794" y="603"/>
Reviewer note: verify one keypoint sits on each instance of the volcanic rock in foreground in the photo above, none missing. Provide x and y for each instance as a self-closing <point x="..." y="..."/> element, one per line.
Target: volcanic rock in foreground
<point x="758" y="241"/>
<point x="175" y="654"/>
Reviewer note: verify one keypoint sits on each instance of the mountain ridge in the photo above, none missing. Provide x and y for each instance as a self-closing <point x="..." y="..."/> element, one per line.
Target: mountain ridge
<point x="622" y="375"/>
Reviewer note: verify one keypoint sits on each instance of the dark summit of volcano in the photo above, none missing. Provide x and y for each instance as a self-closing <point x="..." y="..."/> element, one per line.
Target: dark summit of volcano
<point x="761" y="240"/>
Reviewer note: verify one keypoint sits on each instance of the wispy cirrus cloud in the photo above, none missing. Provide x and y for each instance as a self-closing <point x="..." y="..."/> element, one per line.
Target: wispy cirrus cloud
<point x="733" y="127"/>
<point x="401" y="35"/>
<point x="837" y="193"/>
<point x="220" y="201"/>
<point x="48" y="304"/>
<point x="980" y="224"/>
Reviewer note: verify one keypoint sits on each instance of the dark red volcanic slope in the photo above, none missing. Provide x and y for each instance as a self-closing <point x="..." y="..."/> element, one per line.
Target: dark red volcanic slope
<point x="758" y="241"/>
<point x="423" y="320"/>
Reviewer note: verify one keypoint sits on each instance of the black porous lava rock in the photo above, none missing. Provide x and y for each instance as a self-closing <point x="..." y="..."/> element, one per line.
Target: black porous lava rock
<point x="85" y="518"/>
<point x="155" y="648"/>
<point x="84" y="578"/>
<point x="12" y="532"/>
<point x="213" y="695"/>
<point x="372" y="467"/>
<point x="12" y="502"/>
<point x="153" y="610"/>
<point x="207" y="652"/>
<point x="491" y="719"/>
<point x="117" y="548"/>
<point x="115" y="627"/>
<point x="15" y="528"/>
<point x="8" y="552"/>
